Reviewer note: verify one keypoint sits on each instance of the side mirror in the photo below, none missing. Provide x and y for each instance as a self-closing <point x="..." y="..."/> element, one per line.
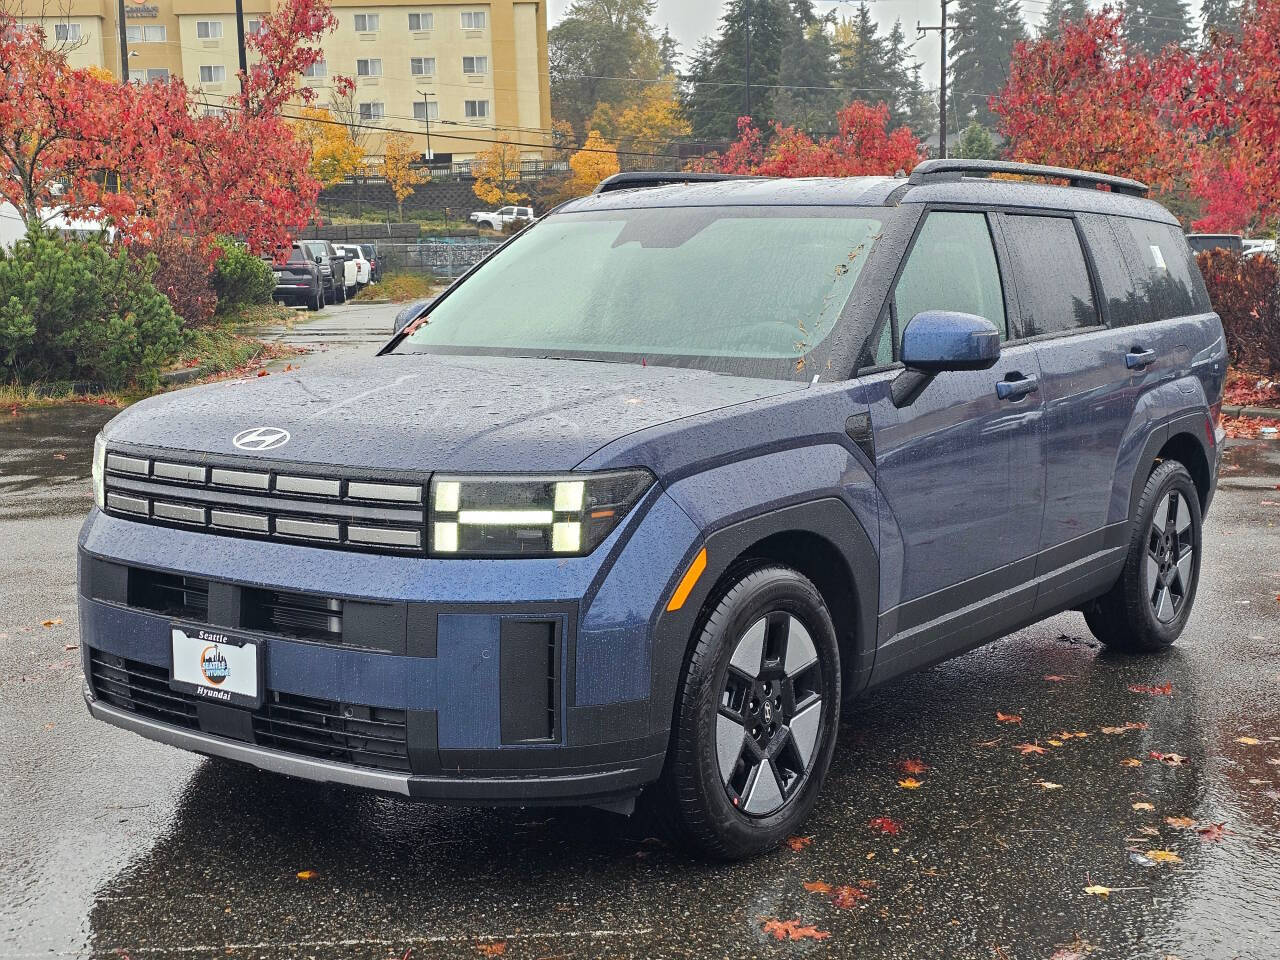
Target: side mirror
<point x="319" y="260"/>
<point x="412" y="312"/>
<point x="936" y="341"/>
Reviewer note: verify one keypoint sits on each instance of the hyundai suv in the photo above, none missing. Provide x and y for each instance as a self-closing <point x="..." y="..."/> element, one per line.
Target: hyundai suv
<point x="743" y="450"/>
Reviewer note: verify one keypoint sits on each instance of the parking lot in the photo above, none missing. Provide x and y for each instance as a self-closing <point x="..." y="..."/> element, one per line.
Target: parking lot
<point x="978" y="809"/>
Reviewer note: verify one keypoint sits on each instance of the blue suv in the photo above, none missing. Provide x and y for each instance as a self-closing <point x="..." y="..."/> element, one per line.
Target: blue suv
<point x="647" y="496"/>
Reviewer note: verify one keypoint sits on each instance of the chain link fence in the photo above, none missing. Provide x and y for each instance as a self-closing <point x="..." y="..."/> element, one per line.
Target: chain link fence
<point x="444" y="258"/>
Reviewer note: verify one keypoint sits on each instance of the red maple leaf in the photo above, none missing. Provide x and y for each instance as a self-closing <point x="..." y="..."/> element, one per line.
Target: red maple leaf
<point x="793" y="930"/>
<point x="886" y="825"/>
<point x="913" y="766"/>
<point x="846" y="897"/>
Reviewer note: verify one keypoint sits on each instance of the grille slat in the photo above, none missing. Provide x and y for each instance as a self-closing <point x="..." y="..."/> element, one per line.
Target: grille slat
<point x="291" y="506"/>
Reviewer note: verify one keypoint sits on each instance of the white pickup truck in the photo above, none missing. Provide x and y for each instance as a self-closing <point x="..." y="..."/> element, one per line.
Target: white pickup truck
<point x="497" y="219"/>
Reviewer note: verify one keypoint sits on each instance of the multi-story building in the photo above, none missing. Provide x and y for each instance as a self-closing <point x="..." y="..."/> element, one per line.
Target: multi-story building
<point x="455" y="75"/>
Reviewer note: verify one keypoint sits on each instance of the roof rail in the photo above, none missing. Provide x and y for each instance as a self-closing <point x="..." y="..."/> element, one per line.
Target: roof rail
<point x="934" y="171"/>
<point x="657" y="178"/>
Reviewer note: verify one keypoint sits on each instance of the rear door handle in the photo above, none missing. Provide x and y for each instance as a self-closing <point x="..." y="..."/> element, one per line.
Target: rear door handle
<point x="1016" y="387"/>
<point x="1138" y="357"/>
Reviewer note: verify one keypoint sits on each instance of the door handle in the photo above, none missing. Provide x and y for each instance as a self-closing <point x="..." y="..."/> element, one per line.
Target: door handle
<point x="1139" y="357"/>
<point x="1016" y="387"/>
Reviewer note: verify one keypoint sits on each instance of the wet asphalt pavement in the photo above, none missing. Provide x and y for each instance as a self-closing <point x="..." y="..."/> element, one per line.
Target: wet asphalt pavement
<point x="113" y="846"/>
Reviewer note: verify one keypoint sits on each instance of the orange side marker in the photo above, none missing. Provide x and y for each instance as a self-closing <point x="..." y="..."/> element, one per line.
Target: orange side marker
<point x="688" y="581"/>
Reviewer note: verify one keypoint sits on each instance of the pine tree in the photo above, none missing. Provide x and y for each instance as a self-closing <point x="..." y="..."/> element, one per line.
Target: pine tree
<point x="1058" y="11"/>
<point x="911" y="104"/>
<point x="865" y="60"/>
<point x="668" y="52"/>
<point x="981" y="45"/>
<point x="976" y="143"/>
<point x="805" y="97"/>
<point x="1152" y="25"/>
<point x="1220" y="15"/>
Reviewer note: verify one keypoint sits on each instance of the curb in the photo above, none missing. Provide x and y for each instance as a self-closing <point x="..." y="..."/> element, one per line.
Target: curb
<point x="184" y="375"/>
<point x="1267" y="412"/>
<point x="369" y="303"/>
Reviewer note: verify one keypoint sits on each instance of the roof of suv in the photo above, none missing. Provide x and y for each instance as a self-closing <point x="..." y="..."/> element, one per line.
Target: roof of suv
<point x="873" y="192"/>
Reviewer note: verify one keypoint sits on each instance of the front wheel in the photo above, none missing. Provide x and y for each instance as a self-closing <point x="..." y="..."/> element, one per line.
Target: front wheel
<point x="1150" y="604"/>
<point x="756" y="717"/>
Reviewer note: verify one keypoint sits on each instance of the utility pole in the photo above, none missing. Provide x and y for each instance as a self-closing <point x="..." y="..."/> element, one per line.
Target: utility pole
<point x="244" y="62"/>
<point x="426" y="118"/>
<point x="124" y="46"/>
<point x="942" y="88"/>
<point x="747" y="5"/>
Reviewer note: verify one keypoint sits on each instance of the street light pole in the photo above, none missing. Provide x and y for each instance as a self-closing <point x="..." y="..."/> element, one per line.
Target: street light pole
<point x="747" y="5"/>
<point x="244" y="61"/>
<point x="124" y="46"/>
<point x="942" y="87"/>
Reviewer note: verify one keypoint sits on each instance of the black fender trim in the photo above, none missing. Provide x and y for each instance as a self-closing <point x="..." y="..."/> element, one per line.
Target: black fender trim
<point x="829" y="518"/>
<point x="1189" y="423"/>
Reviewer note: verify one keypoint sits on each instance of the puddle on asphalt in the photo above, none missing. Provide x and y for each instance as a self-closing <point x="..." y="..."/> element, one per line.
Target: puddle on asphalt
<point x="1242" y="459"/>
<point x="45" y="456"/>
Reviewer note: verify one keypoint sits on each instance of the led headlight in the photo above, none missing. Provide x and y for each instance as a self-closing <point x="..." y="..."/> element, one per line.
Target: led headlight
<point x="99" y="469"/>
<point x="530" y="516"/>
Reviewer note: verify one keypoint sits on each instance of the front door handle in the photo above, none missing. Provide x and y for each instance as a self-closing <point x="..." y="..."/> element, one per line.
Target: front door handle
<point x="1139" y="357"/>
<point x="1016" y="386"/>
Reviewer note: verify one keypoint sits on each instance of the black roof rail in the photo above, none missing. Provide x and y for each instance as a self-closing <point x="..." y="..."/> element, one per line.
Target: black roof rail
<point x="656" y="178"/>
<point x="933" y="171"/>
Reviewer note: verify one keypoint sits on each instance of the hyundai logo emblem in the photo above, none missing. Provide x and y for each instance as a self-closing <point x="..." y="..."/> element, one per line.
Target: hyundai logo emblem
<point x="261" y="438"/>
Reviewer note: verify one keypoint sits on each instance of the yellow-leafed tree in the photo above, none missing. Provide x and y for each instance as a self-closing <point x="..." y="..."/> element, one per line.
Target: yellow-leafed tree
<point x="397" y="155"/>
<point x="648" y="123"/>
<point x="497" y="173"/>
<point x="334" y="155"/>
<point x="596" y="160"/>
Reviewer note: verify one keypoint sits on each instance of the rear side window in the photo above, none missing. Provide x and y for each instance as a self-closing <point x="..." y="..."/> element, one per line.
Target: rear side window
<point x="952" y="266"/>
<point x="1122" y="303"/>
<point x="1054" y="292"/>
<point x="1164" y="268"/>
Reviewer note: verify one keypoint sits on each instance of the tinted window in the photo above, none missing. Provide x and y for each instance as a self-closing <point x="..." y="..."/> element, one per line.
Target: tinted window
<point x="1162" y="263"/>
<point x="1054" y="293"/>
<point x="1122" y="303"/>
<point x="952" y="266"/>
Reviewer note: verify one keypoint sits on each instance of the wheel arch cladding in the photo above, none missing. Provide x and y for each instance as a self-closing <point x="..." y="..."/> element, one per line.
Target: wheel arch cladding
<point x="823" y="540"/>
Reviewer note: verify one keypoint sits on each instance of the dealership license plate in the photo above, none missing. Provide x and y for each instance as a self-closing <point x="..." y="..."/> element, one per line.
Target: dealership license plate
<point x="216" y="666"/>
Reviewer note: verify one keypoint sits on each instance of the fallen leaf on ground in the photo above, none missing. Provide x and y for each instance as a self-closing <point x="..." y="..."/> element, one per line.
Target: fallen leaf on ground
<point x="1068" y="735"/>
<point x="307" y="874"/>
<point x="912" y="765"/>
<point x="492" y="949"/>
<point x="1078" y="949"/>
<point x="798" y="843"/>
<point x="818" y="886"/>
<point x="792" y="930"/>
<point x="1008" y="717"/>
<point x="1130" y="762"/>
<point x="1054" y="743"/>
<point x="1212" y="831"/>
<point x="1143" y="805"/>
<point x="1055" y="678"/>
<point x="1046" y="785"/>
<point x="1169" y="759"/>
<point x="846" y="897"/>
<point x="1097" y="890"/>
<point x="1182" y="823"/>
<point x="886" y="825"/>
<point x="910" y="783"/>
<point x="1164" y="690"/>
<point x="1149" y="831"/>
<point x="1248" y="741"/>
<point x="1164" y="856"/>
<point x="1026" y="748"/>
<point x="55" y="622"/>
<point x="1124" y="728"/>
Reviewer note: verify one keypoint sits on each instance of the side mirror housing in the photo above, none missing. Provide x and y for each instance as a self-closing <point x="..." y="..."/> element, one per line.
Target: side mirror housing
<point x="412" y="312"/>
<point x="936" y="341"/>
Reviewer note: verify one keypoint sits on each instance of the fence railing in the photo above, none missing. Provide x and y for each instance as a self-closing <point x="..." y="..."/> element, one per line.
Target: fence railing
<point x="443" y="258"/>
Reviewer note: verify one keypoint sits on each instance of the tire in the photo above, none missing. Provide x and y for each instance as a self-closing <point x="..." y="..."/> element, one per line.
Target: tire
<point x="1148" y="608"/>
<point x="756" y="716"/>
<point x="317" y="300"/>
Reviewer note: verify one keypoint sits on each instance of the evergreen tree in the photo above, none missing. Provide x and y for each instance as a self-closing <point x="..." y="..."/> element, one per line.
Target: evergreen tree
<point x="668" y="53"/>
<point x="805" y="97"/>
<point x="1152" y="25"/>
<point x="1222" y="16"/>
<point x="981" y="45"/>
<point x="911" y="104"/>
<point x="865" y="58"/>
<point x="1058" y="11"/>
<point x="976" y="143"/>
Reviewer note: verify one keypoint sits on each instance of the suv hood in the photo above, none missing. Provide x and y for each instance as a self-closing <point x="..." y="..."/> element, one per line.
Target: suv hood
<point x="422" y="412"/>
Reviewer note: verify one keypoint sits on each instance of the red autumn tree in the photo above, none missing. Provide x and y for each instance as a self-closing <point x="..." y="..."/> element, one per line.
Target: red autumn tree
<point x="862" y="146"/>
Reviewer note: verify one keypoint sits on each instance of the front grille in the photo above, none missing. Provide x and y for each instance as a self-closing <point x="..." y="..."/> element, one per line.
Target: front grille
<point x="351" y="513"/>
<point x="361" y="736"/>
<point x="169" y="594"/>
<point x="301" y="615"/>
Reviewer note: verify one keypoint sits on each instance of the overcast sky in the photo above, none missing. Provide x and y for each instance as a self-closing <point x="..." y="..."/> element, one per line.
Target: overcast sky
<point x="690" y="20"/>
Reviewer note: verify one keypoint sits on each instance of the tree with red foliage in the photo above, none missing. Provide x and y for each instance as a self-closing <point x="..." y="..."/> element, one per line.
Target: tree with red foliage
<point x="863" y="145"/>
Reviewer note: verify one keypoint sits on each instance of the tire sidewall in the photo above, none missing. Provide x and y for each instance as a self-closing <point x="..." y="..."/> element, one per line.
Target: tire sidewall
<point x="1169" y="477"/>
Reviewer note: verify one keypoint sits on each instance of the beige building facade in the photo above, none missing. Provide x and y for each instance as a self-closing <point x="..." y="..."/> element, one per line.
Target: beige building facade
<point x="453" y="75"/>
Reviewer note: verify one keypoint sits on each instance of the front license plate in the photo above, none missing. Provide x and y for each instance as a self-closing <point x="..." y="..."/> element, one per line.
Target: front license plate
<point x="216" y="666"/>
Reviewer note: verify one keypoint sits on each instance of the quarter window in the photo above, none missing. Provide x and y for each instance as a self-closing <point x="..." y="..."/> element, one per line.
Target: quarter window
<point x="952" y="266"/>
<point x="1054" y="292"/>
<point x="209" y="29"/>
<point x="1162" y="264"/>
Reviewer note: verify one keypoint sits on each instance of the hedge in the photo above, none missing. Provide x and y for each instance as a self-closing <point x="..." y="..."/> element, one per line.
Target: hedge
<point x="1245" y="292"/>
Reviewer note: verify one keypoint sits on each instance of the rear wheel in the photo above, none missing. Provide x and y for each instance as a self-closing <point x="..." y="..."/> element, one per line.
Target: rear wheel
<point x="756" y="717"/>
<point x="317" y="300"/>
<point x="1150" y="604"/>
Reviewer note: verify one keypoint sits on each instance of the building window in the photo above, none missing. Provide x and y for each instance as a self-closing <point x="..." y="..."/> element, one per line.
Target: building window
<point x="475" y="65"/>
<point x="426" y="110"/>
<point x="211" y="111"/>
<point x="209" y="29"/>
<point x="422" y="66"/>
<point x="419" y="22"/>
<point x="213" y="74"/>
<point x="317" y="69"/>
<point x="368" y="68"/>
<point x="137" y="76"/>
<point x="151" y="73"/>
<point x="366" y="22"/>
<point x="473" y="19"/>
<point x="476" y="109"/>
<point x="253" y="27"/>
<point x="146" y="34"/>
<point x="372" y="111"/>
<point x="66" y="32"/>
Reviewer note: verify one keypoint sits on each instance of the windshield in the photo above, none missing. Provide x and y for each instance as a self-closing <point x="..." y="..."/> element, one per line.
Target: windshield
<point x="752" y="290"/>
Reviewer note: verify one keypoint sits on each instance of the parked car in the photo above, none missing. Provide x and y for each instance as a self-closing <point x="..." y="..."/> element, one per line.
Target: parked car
<point x="1265" y="247"/>
<point x="358" y="269"/>
<point x="1200" y="242"/>
<point x="332" y="269"/>
<point x="747" y="449"/>
<point x="497" y="219"/>
<point x="375" y="262"/>
<point x="298" y="280"/>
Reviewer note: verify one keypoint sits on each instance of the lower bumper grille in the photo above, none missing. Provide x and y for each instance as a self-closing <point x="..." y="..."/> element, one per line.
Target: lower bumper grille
<point x="325" y="729"/>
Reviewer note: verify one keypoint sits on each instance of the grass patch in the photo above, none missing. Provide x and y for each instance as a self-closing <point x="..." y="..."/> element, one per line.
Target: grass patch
<point x="27" y="396"/>
<point x="398" y="288"/>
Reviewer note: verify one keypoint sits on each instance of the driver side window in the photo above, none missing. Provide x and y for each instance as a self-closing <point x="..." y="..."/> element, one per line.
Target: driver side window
<point x="952" y="266"/>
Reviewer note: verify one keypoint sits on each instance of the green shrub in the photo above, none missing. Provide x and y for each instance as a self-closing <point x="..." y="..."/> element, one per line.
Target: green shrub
<point x="80" y="310"/>
<point x="239" y="278"/>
